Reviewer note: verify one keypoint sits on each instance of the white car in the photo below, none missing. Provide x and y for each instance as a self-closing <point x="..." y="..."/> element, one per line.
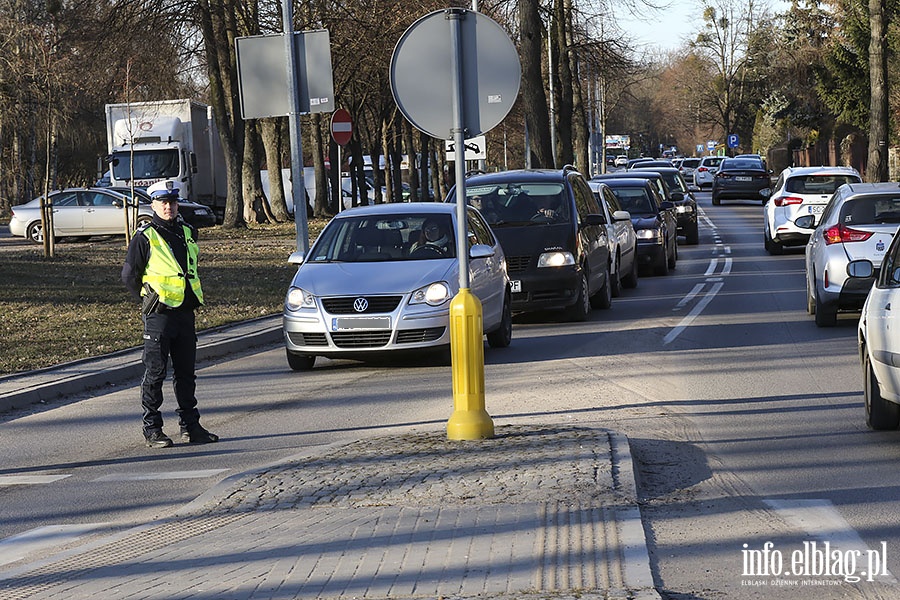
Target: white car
<point x="706" y="170"/>
<point x="879" y="346"/>
<point x="858" y="223"/>
<point x="621" y="236"/>
<point x="381" y="278"/>
<point x="77" y="212"/>
<point x="800" y="191"/>
<point x="621" y="160"/>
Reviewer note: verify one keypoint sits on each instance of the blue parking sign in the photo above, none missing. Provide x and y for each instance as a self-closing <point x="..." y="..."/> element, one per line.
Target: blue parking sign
<point x="733" y="141"/>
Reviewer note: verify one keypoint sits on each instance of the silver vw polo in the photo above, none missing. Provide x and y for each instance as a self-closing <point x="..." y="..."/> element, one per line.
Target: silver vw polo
<point x="380" y="279"/>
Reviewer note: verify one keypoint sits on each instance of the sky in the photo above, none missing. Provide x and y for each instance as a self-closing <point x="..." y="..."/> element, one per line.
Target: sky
<point x="668" y="29"/>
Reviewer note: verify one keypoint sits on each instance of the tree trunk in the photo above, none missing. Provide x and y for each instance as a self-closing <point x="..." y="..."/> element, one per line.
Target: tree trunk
<point x="255" y="204"/>
<point x="534" y="99"/>
<point x="412" y="161"/>
<point x="563" y="86"/>
<point x="270" y="132"/>
<point x="877" y="164"/>
<point x="321" y="202"/>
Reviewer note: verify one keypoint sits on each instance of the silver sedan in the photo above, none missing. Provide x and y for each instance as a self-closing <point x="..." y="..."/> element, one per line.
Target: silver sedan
<point x="77" y="212"/>
<point x="381" y="278"/>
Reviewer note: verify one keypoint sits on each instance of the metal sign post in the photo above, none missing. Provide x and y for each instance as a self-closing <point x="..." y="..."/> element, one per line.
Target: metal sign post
<point x="454" y="73"/>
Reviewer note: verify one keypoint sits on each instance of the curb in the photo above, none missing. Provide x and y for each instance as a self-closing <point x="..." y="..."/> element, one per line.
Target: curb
<point x="44" y="385"/>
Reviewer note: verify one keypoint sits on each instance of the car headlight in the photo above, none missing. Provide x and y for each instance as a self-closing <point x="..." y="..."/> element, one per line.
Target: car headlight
<point x="298" y="299"/>
<point x="434" y="294"/>
<point x="555" y="259"/>
<point x="649" y="234"/>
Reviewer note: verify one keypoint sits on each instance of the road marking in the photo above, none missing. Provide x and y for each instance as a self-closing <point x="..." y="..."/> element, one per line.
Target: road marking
<point x="21" y="545"/>
<point x="821" y="520"/>
<point x="162" y="475"/>
<point x="695" y="312"/>
<point x="691" y="295"/>
<point x="29" y="479"/>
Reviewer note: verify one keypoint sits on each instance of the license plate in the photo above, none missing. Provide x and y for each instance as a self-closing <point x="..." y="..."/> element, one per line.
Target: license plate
<point x="344" y="323"/>
<point x="515" y="286"/>
<point x="743" y="179"/>
<point x="816" y="209"/>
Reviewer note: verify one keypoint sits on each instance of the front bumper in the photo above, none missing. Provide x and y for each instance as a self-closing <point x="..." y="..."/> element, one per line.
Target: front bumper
<point x="319" y="332"/>
<point x="547" y="288"/>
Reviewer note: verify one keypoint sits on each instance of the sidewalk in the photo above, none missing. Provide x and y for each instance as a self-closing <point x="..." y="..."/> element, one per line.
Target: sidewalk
<point x="537" y="512"/>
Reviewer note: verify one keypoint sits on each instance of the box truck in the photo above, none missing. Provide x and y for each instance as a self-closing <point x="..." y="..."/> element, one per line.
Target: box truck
<point x="167" y="140"/>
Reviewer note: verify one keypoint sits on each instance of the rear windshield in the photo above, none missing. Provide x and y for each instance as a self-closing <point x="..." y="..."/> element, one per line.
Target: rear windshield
<point x="818" y="184"/>
<point x="690" y="162"/>
<point x="635" y="200"/>
<point x="871" y="210"/>
<point x="516" y="204"/>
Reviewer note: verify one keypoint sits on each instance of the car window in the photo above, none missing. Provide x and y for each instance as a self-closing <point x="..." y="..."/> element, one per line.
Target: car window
<point x="690" y="163"/>
<point x="386" y="238"/>
<point x="870" y="210"/>
<point x="890" y="266"/>
<point x="101" y="199"/>
<point x="611" y="201"/>
<point x="818" y="184"/>
<point x="517" y="204"/>
<point x="479" y="232"/>
<point x="585" y="201"/>
<point x="65" y="199"/>
<point x="635" y="200"/>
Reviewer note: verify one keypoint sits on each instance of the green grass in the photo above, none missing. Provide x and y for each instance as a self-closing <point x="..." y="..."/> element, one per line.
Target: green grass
<point x="74" y="305"/>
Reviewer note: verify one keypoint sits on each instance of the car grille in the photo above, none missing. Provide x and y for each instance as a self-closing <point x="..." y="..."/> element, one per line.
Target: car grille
<point x="308" y="339"/>
<point x="377" y="304"/>
<point x="515" y="264"/>
<point x="361" y="339"/>
<point x="412" y="336"/>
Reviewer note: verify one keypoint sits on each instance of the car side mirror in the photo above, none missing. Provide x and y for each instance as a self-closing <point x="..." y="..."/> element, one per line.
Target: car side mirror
<point x="481" y="251"/>
<point x="296" y="258"/>
<point x="806" y="222"/>
<point x="676" y="196"/>
<point x="593" y="220"/>
<point x="693" y="188"/>
<point x="621" y="215"/>
<point x="860" y="269"/>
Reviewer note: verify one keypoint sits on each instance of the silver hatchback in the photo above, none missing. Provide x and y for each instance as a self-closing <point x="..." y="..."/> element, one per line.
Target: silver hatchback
<point x="858" y="222"/>
<point x="381" y="278"/>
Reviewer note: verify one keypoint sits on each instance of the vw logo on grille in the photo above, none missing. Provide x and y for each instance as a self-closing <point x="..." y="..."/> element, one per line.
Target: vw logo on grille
<point x="360" y="305"/>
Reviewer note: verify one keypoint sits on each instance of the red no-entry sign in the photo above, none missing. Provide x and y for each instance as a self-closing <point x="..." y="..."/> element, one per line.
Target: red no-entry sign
<point x="341" y="126"/>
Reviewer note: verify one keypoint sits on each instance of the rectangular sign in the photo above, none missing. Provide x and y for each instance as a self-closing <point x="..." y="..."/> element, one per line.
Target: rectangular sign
<point x="476" y="149"/>
<point x="262" y="74"/>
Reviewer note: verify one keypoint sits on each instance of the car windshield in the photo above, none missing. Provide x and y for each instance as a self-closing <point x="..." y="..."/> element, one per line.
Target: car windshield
<point x="818" y="184"/>
<point x="517" y="204"/>
<point x="870" y="210"/>
<point x="635" y="200"/>
<point x="383" y="238"/>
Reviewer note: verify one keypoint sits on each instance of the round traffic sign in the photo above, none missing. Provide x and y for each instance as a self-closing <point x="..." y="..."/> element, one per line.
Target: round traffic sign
<point x="341" y="126"/>
<point x="422" y="73"/>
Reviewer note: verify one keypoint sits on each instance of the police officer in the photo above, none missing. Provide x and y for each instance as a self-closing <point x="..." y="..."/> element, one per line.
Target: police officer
<point x="161" y="270"/>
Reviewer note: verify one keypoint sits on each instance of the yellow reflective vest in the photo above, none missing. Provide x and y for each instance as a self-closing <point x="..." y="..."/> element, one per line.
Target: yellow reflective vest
<point x="164" y="274"/>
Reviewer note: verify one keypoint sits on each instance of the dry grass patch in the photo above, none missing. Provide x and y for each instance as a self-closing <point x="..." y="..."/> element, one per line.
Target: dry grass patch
<point x="75" y="306"/>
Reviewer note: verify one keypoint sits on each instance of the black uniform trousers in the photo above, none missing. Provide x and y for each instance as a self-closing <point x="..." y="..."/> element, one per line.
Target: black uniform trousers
<point x="169" y="333"/>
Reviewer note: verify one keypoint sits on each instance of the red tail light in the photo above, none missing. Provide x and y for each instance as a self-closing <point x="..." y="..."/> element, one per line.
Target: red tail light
<point x="840" y="234"/>
<point x="703" y="169"/>
<point x="788" y="200"/>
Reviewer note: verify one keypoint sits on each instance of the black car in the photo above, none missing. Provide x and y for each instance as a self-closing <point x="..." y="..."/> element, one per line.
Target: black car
<point x="653" y="219"/>
<point x="553" y="235"/>
<point x="682" y="197"/>
<point x="196" y="214"/>
<point x="742" y="178"/>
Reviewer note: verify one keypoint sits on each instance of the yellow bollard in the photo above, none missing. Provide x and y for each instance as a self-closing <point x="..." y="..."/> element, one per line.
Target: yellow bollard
<point x="469" y="420"/>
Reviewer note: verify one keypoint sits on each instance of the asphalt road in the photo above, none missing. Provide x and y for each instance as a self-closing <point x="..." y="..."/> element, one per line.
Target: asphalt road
<point x="746" y="420"/>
